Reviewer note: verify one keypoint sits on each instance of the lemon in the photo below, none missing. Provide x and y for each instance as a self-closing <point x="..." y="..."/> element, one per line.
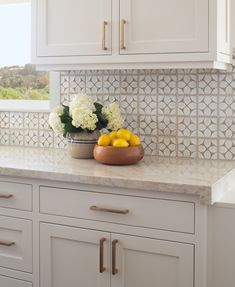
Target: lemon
<point x="104" y="140"/>
<point x="113" y="140"/>
<point x="124" y="134"/>
<point x="134" y="140"/>
<point x="112" y="135"/>
<point x="120" y="143"/>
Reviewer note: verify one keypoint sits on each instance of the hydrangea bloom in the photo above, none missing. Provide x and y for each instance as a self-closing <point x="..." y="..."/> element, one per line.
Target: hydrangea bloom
<point x="55" y="120"/>
<point x="82" y="110"/>
<point x="84" y="119"/>
<point x="83" y="102"/>
<point x="113" y="115"/>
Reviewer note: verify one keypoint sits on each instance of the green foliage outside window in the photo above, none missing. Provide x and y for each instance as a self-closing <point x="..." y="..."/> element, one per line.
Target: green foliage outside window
<point x="23" y="83"/>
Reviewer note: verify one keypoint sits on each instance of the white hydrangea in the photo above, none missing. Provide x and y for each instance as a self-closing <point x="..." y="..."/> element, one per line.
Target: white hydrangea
<point x="58" y="110"/>
<point x="82" y="102"/>
<point x="55" y="123"/>
<point x="113" y="114"/>
<point x="82" y="110"/>
<point x="84" y="119"/>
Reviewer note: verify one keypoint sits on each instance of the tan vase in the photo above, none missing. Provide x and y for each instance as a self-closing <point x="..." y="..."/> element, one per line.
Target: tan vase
<point x="81" y="145"/>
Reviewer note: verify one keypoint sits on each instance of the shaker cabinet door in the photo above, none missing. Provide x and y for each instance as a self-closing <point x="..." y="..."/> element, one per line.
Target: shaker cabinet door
<point x="139" y="262"/>
<point x="73" y="27"/>
<point x="169" y="26"/>
<point x="72" y="257"/>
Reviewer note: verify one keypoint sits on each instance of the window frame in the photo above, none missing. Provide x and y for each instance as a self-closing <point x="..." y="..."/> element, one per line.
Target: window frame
<point x="36" y="105"/>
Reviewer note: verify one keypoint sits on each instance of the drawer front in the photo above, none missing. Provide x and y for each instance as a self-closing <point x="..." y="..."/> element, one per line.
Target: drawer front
<point x="129" y="210"/>
<point x="16" y="243"/>
<point x="16" y="195"/>
<point x="11" y="282"/>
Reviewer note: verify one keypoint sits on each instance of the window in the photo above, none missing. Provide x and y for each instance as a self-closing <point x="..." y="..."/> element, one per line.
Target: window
<point x="21" y="86"/>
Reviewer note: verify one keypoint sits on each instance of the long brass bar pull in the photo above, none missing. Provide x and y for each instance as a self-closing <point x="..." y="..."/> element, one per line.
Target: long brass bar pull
<point x="104" y="25"/>
<point x="5" y="195"/>
<point x="6" y="243"/>
<point x="102" y="268"/>
<point x="122" y="44"/>
<point x="111" y="210"/>
<point x="114" y="269"/>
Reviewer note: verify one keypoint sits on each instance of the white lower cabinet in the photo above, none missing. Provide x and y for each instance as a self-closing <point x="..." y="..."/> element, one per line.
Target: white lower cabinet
<point x="71" y="257"/>
<point x="11" y="282"/>
<point x="150" y="262"/>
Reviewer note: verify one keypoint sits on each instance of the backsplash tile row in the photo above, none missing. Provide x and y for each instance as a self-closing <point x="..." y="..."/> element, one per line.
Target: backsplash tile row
<point x="183" y="113"/>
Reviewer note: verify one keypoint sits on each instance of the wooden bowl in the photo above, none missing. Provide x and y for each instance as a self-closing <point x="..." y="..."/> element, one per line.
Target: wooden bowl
<point x="118" y="155"/>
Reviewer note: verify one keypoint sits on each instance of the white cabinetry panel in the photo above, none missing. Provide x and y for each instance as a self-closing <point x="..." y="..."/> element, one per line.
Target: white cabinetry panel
<point x="168" y="26"/>
<point x="149" y="262"/>
<point x="70" y="257"/>
<point x="16" y="243"/>
<point x="73" y="27"/>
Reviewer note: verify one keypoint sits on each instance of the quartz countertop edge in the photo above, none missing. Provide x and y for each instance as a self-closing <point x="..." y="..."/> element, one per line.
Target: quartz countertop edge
<point x="205" y="178"/>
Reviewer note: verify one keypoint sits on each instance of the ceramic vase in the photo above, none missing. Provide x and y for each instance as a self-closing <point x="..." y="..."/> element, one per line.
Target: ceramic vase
<point x="81" y="145"/>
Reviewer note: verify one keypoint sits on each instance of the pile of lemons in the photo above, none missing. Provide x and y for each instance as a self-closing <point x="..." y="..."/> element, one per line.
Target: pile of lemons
<point x="121" y="138"/>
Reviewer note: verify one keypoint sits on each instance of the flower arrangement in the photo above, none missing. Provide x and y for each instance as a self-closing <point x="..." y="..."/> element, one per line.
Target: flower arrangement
<point x="85" y="115"/>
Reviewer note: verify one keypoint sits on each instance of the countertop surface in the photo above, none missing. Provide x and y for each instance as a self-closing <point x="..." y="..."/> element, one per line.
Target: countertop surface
<point x="206" y="178"/>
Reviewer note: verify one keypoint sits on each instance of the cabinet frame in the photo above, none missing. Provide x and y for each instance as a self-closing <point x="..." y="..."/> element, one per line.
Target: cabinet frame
<point x="210" y="59"/>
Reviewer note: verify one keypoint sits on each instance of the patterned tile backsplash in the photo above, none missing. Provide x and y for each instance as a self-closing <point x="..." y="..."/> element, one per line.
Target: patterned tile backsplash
<point x="177" y="113"/>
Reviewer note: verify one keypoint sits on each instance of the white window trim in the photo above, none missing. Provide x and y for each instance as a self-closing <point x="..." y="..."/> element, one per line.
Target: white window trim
<point x="36" y="105"/>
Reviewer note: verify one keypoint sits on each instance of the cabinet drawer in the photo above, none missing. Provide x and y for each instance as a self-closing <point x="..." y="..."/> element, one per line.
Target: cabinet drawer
<point x="16" y="195"/>
<point x="16" y="243"/>
<point x="131" y="210"/>
<point x="11" y="282"/>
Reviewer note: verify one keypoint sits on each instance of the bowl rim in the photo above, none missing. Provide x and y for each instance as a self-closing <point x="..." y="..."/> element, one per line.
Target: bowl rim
<point x="119" y="147"/>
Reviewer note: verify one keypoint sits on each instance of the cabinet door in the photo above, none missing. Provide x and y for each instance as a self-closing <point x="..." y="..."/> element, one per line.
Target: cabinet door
<point x="169" y="26"/>
<point x="148" y="262"/>
<point x="71" y="257"/>
<point x="73" y="27"/>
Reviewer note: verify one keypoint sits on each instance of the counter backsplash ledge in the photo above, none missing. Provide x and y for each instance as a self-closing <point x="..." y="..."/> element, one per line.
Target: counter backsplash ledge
<point x="177" y="113"/>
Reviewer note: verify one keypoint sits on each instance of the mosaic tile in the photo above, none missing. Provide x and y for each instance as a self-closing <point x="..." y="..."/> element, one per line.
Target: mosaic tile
<point x="187" y="127"/>
<point x="187" y="105"/>
<point x="207" y="127"/>
<point x="167" y="84"/>
<point x="207" y="149"/>
<point x="208" y="106"/>
<point x="187" y="147"/>
<point x="187" y="84"/>
<point x="148" y="84"/>
<point x="167" y="104"/>
<point x="167" y="126"/>
<point x="167" y="146"/>
<point x="129" y="84"/>
<point x="208" y="84"/>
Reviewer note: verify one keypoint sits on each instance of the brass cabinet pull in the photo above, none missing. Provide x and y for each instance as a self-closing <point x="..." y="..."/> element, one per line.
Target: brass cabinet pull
<point x="6" y="243"/>
<point x="111" y="210"/>
<point x="114" y="269"/>
<point x="233" y="56"/>
<point x="122" y="44"/>
<point x="6" y="195"/>
<point x="104" y="24"/>
<point x="102" y="268"/>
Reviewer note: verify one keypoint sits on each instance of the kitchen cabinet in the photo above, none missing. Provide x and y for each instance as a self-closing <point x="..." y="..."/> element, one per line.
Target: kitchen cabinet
<point x="71" y="256"/>
<point x="150" y="262"/>
<point x="159" y="27"/>
<point x="123" y="34"/>
<point x="74" y="27"/>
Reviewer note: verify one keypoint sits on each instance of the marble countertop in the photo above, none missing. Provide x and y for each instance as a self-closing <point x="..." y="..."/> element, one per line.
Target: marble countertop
<point x="210" y="180"/>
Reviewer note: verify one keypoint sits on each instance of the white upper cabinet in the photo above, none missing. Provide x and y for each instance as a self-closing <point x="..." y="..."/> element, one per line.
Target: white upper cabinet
<point x="127" y="34"/>
<point x="157" y="26"/>
<point x="73" y="27"/>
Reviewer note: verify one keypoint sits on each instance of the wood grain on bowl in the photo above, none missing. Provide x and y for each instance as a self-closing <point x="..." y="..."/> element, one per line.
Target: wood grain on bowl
<point x="118" y="155"/>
